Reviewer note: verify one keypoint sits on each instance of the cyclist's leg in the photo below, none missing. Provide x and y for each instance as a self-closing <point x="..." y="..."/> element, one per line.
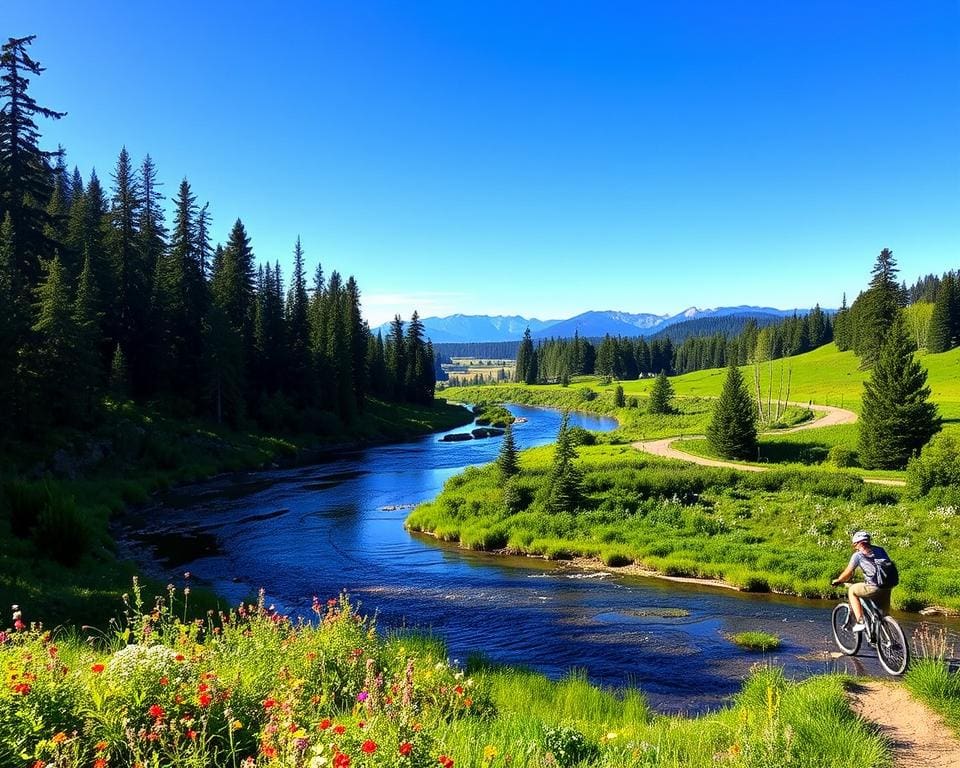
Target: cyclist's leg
<point x="854" y="593"/>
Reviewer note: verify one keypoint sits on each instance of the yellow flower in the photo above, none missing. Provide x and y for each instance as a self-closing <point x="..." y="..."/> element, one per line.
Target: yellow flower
<point x="489" y="752"/>
<point x="59" y="737"/>
<point x="236" y="725"/>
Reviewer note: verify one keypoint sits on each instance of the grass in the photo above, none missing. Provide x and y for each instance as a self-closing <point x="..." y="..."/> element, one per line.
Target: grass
<point x="785" y="530"/>
<point x="133" y="453"/>
<point x="756" y="641"/>
<point x="254" y="688"/>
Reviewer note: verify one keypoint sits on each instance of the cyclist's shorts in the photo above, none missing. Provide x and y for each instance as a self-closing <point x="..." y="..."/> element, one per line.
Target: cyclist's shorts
<point x="879" y="595"/>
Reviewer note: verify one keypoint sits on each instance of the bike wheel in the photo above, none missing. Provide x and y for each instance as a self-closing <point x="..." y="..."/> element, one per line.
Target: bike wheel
<point x="892" y="648"/>
<point x="848" y="642"/>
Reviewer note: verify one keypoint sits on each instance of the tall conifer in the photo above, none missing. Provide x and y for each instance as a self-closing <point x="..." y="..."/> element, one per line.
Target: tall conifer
<point x="732" y="431"/>
<point x="896" y="419"/>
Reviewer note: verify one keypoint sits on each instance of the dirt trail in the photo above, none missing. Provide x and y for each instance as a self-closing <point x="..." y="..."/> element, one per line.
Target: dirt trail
<point x="831" y="417"/>
<point x="918" y="737"/>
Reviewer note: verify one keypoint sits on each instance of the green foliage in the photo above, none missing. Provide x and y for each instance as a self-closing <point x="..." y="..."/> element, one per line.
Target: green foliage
<point x="945" y="316"/>
<point x="619" y="401"/>
<point x="842" y="457"/>
<point x="937" y="466"/>
<point x="507" y="460"/>
<point x="756" y="641"/>
<point x="732" y="432"/>
<point x="876" y="309"/>
<point x="565" y="478"/>
<point x="897" y="419"/>
<point x="493" y="415"/>
<point x="660" y="395"/>
<point x="933" y="681"/>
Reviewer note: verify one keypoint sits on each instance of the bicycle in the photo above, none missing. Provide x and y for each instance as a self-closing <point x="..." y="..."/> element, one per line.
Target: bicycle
<point x="883" y="632"/>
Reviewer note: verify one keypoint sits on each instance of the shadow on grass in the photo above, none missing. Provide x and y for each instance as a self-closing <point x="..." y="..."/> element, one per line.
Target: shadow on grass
<point x="793" y="453"/>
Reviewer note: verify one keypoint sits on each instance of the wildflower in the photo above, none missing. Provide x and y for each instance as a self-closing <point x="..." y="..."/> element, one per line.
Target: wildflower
<point x="268" y="751"/>
<point x="406" y="748"/>
<point x="59" y="737"/>
<point x="100" y="746"/>
<point x="97" y="668"/>
<point x="340" y="760"/>
<point x="468" y="702"/>
<point x="362" y="696"/>
<point x="191" y="734"/>
<point x="489" y="752"/>
<point x="269" y="703"/>
<point x="22" y="688"/>
<point x="458" y="690"/>
<point x="369" y="746"/>
<point x="156" y="712"/>
<point x="100" y="762"/>
<point x="204" y="699"/>
<point x="339" y="729"/>
<point x="324" y="724"/>
<point x="164" y="680"/>
<point x="446" y="762"/>
<point x="236" y="725"/>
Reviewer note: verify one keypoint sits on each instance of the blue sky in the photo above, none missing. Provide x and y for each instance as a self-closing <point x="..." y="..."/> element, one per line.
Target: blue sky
<point x="539" y="159"/>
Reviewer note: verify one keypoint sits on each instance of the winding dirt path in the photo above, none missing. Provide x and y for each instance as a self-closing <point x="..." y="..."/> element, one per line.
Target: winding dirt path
<point x="831" y="416"/>
<point x="918" y="737"/>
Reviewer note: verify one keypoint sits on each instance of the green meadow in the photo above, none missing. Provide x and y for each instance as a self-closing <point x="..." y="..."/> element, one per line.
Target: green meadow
<point x="784" y="530"/>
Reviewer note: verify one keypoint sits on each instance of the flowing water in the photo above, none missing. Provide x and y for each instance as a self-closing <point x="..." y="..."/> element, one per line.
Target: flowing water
<point x="338" y="525"/>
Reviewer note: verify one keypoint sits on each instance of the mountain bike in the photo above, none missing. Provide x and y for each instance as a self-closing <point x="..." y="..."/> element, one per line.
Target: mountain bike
<point x="882" y="632"/>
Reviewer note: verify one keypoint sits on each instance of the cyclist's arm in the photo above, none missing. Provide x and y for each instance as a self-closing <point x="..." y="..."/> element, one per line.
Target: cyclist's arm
<point x="845" y="576"/>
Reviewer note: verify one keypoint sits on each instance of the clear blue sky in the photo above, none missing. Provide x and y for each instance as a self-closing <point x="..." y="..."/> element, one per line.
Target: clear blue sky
<point x="539" y="159"/>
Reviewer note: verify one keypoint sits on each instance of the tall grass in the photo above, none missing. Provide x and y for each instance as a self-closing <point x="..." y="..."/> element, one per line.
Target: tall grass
<point x="253" y="688"/>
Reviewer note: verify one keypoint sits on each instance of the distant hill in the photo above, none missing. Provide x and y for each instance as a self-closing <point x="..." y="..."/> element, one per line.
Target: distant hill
<point x="466" y="329"/>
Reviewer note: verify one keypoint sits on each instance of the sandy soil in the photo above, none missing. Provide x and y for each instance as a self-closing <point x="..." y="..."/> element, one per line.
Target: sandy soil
<point x="917" y="735"/>
<point x="829" y="416"/>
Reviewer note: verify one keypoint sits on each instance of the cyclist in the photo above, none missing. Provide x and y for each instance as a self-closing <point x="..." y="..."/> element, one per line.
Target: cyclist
<point x="864" y="558"/>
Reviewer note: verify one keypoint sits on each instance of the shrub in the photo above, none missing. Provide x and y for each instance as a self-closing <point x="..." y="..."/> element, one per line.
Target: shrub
<point x="842" y="457"/>
<point x="587" y="394"/>
<point x="581" y="436"/>
<point x="568" y="746"/>
<point x="937" y="466"/>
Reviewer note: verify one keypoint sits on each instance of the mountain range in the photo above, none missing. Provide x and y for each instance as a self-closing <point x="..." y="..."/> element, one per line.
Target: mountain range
<point x="593" y="324"/>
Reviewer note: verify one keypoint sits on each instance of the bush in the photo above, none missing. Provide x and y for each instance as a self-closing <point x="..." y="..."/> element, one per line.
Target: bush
<point x="937" y="466"/>
<point x="842" y="457"/>
<point x="587" y="394"/>
<point x="581" y="436"/>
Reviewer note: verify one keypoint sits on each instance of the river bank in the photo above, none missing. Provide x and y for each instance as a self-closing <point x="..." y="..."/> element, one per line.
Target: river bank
<point x="58" y="557"/>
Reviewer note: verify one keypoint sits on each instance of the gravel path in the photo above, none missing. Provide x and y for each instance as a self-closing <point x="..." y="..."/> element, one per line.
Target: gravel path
<point x="917" y="735"/>
<point x="831" y="416"/>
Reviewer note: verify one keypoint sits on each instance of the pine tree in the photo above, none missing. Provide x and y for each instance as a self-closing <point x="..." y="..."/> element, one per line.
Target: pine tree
<point x="119" y="379"/>
<point x="396" y="360"/>
<point x="26" y="179"/>
<point x="732" y="432"/>
<point x="508" y="460"/>
<point x="945" y="322"/>
<point x="525" y="360"/>
<point x="56" y="359"/>
<point x="875" y="309"/>
<point x="298" y="331"/>
<point x="619" y="400"/>
<point x="565" y="481"/>
<point x="358" y="336"/>
<point x="13" y="326"/>
<point x="896" y="419"/>
<point x="842" y="332"/>
<point x="660" y="395"/>
<point x="86" y="314"/>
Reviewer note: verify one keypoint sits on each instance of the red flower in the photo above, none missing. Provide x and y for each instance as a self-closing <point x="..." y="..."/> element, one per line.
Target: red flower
<point x="164" y="681"/>
<point x="446" y="762"/>
<point x="369" y="746"/>
<point x="341" y="760"/>
<point x="100" y="762"/>
<point x="406" y="748"/>
<point x="191" y="734"/>
<point x="269" y="703"/>
<point x="22" y="688"/>
<point x="325" y="723"/>
<point x="268" y="751"/>
<point x="458" y="689"/>
<point x="156" y="712"/>
<point x="100" y="746"/>
<point x="97" y="669"/>
<point x="179" y="657"/>
<point x="339" y="729"/>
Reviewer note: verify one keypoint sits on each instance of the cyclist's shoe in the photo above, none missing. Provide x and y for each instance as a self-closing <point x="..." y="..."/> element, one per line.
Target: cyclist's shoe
<point x="858" y="627"/>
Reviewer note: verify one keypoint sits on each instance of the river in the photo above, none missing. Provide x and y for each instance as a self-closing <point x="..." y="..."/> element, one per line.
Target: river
<point x="338" y="525"/>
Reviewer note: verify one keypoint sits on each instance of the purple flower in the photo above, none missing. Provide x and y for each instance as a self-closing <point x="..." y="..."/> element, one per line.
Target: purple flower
<point x="362" y="696"/>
